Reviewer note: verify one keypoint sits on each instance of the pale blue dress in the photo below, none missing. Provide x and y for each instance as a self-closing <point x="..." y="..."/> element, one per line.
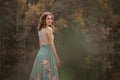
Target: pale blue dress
<point x="44" y="67"/>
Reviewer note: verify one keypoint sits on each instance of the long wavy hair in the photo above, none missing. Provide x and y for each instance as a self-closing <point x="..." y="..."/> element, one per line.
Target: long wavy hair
<point x="42" y="21"/>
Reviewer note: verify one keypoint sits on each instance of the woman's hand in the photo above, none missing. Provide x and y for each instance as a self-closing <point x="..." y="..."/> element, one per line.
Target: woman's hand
<point x="58" y="62"/>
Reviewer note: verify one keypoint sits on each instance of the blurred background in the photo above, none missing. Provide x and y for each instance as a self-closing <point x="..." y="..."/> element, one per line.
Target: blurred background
<point x="87" y="38"/>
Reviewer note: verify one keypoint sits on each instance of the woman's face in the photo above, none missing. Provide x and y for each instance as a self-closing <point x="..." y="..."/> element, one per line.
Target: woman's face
<point x="49" y="20"/>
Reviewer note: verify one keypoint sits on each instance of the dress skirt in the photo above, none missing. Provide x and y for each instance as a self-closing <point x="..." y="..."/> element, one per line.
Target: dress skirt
<point x="44" y="67"/>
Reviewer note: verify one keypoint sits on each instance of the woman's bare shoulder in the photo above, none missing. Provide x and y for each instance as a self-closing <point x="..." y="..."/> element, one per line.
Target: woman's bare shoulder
<point x="49" y="29"/>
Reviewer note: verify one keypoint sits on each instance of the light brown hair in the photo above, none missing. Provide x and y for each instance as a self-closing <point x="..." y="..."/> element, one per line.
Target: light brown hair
<point x="42" y="22"/>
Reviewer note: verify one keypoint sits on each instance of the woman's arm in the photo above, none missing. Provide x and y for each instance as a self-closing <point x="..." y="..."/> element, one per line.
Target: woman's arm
<point x="49" y="34"/>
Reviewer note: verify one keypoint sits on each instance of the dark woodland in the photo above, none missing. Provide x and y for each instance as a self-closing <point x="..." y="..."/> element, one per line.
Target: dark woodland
<point x="87" y="38"/>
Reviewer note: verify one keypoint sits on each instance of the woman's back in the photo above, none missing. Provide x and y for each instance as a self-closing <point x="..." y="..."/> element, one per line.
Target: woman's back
<point x="42" y="37"/>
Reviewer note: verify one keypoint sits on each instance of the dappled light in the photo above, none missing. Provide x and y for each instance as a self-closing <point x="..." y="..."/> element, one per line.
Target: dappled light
<point x="86" y="38"/>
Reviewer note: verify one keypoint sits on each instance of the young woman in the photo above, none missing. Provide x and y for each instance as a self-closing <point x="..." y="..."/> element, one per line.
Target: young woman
<point x="46" y="62"/>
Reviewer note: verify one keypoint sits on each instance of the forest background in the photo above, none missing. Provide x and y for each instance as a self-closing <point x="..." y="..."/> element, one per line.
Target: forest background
<point x="87" y="38"/>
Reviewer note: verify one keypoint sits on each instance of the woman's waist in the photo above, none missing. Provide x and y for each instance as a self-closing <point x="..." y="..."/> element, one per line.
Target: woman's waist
<point x="45" y="45"/>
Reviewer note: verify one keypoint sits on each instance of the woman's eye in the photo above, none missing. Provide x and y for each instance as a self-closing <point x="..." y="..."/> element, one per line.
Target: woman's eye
<point x="49" y="19"/>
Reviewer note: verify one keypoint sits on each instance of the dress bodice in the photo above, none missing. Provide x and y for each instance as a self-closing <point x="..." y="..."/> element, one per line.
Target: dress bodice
<point x="43" y="38"/>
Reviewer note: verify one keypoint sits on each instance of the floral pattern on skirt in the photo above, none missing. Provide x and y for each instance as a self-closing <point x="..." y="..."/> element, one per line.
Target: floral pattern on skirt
<point x="44" y="67"/>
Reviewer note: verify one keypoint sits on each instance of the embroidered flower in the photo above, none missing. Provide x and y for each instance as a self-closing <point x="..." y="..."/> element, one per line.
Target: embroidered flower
<point x="55" y="67"/>
<point x="54" y="77"/>
<point x="38" y="77"/>
<point x="47" y="66"/>
<point x="44" y="62"/>
<point x="48" y="70"/>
